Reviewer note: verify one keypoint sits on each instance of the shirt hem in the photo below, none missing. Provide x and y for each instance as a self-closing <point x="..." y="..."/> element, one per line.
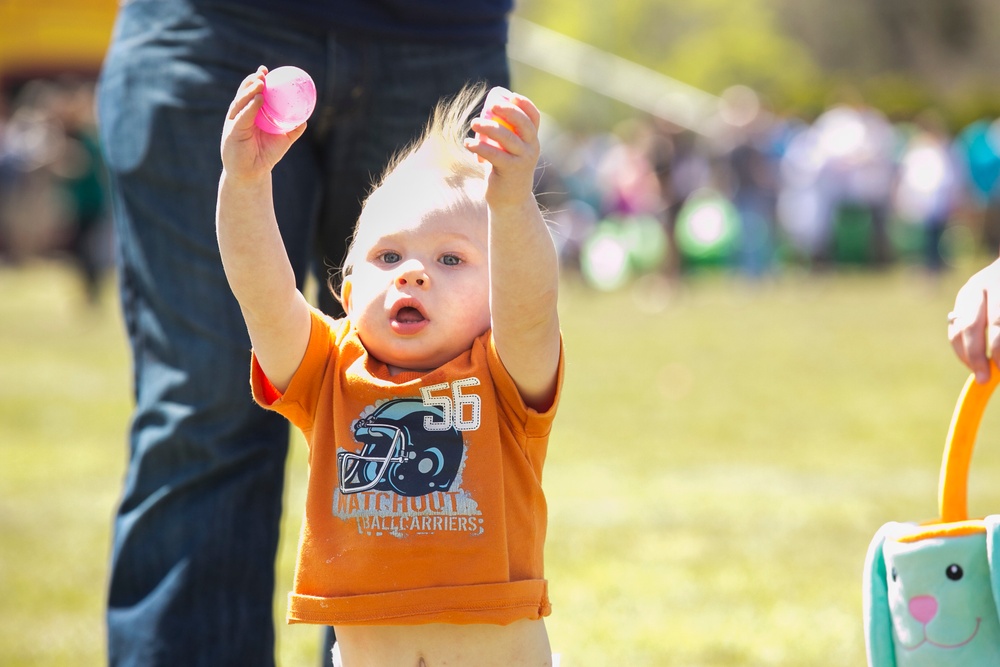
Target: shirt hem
<point x="495" y="604"/>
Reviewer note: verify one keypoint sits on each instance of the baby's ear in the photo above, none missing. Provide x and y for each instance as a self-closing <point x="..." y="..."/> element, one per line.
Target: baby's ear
<point x="345" y="295"/>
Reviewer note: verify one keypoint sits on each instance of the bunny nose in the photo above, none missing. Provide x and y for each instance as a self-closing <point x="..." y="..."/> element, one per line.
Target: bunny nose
<point x="923" y="608"/>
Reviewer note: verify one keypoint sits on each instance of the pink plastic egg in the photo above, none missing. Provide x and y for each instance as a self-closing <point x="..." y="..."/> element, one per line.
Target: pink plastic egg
<point x="289" y="100"/>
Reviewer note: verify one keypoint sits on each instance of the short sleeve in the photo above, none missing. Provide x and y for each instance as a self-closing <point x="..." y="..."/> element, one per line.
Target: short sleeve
<point x="300" y="400"/>
<point x="536" y="424"/>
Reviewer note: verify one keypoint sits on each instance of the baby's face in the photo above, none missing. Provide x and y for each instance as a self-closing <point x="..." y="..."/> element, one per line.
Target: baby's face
<point x="419" y="289"/>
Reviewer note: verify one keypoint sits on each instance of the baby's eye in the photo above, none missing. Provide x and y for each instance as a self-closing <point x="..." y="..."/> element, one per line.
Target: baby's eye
<point x="450" y="260"/>
<point x="390" y="257"/>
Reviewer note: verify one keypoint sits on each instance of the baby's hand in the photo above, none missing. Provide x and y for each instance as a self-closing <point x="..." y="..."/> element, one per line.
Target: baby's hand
<point x="509" y="142"/>
<point x="247" y="151"/>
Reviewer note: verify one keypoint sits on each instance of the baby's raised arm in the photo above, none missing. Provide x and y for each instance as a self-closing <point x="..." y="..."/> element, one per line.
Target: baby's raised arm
<point x="253" y="255"/>
<point x="524" y="272"/>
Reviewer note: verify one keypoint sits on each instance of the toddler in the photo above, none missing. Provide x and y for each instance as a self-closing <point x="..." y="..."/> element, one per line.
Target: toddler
<point x="427" y="409"/>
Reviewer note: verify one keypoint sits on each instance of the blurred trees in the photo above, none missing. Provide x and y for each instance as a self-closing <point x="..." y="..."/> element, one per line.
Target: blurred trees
<point x="940" y="52"/>
<point x="900" y="55"/>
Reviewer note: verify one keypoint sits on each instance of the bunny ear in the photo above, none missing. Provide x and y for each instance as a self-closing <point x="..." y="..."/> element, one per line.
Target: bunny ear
<point x="875" y="590"/>
<point x="993" y="555"/>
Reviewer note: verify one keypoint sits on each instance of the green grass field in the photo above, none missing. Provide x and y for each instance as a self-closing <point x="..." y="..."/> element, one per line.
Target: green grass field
<point x="723" y="455"/>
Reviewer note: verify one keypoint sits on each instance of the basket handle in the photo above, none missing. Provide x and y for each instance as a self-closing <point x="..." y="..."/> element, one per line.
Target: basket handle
<point x="953" y="484"/>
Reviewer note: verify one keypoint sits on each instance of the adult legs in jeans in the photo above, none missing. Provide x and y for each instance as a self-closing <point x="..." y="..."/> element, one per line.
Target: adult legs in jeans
<point x="192" y="574"/>
<point x="196" y="533"/>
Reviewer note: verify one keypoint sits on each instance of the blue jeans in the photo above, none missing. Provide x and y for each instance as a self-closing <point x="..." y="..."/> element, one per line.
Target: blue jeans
<point x="196" y="533"/>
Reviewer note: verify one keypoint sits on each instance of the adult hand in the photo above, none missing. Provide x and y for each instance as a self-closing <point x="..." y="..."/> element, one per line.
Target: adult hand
<point x="974" y="322"/>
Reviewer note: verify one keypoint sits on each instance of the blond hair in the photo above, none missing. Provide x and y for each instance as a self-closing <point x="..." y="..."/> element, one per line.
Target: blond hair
<point x="441" y="146"/>
<point x="436" y="163"/>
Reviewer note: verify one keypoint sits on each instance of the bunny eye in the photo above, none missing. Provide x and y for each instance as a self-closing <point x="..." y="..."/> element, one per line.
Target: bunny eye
<point x="954" y="572"/>
<point x="894" y="574"/>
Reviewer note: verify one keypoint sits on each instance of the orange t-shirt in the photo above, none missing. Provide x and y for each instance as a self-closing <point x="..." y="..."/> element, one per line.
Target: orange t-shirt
<point x="424" y="502"/>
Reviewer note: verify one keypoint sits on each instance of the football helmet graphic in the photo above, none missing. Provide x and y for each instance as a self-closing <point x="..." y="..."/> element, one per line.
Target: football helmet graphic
<point x="399" y="454"/>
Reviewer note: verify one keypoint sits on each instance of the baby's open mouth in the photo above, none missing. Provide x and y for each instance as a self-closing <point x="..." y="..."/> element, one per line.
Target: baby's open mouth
<point x="408" y="314"/>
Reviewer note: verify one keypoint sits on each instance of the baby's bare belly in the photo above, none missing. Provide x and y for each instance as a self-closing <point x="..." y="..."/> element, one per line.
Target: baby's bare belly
<point x="522" y="643"/>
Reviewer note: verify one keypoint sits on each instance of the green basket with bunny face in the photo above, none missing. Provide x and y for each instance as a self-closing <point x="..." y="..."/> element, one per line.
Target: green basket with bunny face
<point x="931" y="589"/>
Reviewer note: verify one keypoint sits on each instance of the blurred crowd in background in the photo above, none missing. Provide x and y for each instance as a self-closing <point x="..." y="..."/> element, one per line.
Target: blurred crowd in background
<point x="762" y="193"/>
<point x="53" y="190"/>
<point x="850" y="187"/>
